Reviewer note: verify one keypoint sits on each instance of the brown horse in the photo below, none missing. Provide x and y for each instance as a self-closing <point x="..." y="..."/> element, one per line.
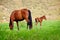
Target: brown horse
<point x="20" y="15"/>
<point x="40" y="20"/>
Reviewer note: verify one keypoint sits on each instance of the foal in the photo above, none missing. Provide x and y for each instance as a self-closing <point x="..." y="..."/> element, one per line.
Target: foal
<point x="40" y="20"/>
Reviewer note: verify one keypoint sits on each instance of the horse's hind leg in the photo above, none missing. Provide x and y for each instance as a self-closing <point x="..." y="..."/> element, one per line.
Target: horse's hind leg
<point x="27" y="20"/>
<point x="17" y="25"/>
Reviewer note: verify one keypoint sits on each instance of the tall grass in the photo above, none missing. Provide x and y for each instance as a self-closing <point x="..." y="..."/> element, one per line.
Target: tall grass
<point x="50" y="30"/>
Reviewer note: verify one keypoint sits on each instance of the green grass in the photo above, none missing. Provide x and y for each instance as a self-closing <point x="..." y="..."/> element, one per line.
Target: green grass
<point x="50" y="30"/>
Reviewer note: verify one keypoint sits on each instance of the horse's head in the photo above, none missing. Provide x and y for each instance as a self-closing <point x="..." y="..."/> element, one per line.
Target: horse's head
<point x="44" y="17"/>
<point x="10" y="27"/>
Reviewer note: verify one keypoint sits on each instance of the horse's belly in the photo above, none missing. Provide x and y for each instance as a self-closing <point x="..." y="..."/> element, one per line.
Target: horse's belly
<point x="18" y="19"/>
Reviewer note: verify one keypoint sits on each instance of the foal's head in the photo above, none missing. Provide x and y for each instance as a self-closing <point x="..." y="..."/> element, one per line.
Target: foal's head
<point x="44" y="17"/>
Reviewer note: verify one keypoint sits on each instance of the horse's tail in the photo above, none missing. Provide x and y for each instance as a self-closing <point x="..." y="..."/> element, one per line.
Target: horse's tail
<point x="10" y="24"/>
<point x="30" y="19"/>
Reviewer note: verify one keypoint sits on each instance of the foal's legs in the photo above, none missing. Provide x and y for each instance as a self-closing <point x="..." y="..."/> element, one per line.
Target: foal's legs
<point x="36" y="20"/>
<point x="17" y="25"/>
<point x="36" y="23"/>
<point x="40" y="24"/>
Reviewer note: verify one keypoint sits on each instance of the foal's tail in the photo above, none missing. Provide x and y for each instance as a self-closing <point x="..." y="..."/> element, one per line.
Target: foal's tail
<point x="30" y="19"/>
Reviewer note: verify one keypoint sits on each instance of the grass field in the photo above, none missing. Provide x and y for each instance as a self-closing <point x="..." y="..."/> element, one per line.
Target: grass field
<point x="50" y="30"/>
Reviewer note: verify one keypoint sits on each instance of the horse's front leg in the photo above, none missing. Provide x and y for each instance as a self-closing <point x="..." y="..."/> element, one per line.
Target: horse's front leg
<point x="17" y="25"/>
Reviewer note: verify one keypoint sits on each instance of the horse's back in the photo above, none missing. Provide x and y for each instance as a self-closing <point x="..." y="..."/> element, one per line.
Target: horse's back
<point x="19" y="14"/>
<point x="16" y="15"/>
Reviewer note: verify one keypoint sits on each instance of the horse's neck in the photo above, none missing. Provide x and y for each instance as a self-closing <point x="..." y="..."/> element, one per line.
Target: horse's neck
<point x="41" y="18"/>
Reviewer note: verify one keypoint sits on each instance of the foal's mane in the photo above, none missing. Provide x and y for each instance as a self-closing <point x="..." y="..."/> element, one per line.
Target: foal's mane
<point x="42" y="16"/>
